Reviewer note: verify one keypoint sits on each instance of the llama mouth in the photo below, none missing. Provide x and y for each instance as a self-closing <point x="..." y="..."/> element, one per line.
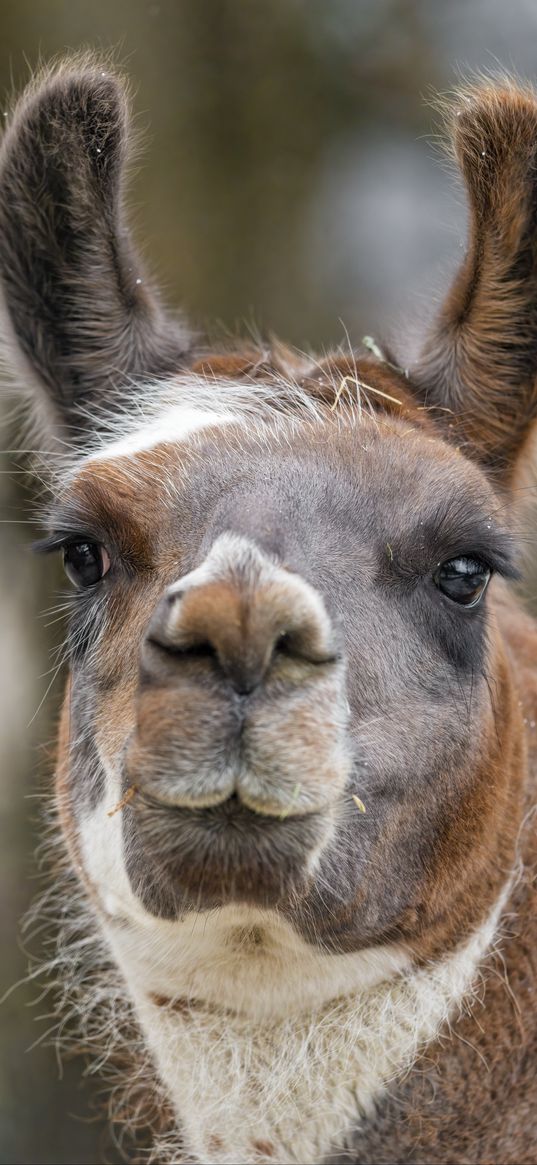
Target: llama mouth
<point x="224" y="853"/>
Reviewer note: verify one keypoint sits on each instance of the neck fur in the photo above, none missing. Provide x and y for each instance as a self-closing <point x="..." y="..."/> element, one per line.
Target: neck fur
<point x="288" y="1086"/>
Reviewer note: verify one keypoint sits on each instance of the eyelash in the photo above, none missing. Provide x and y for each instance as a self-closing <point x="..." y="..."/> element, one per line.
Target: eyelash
<point x="54" y="543"/>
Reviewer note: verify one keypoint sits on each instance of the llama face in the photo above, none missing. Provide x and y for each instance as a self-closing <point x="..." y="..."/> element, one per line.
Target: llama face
<point x="270" y="637"/>
<point x="280" y="578"/>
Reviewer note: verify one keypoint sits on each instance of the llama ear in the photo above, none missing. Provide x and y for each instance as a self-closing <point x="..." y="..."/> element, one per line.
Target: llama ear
<point x="82" y="322"/>
<point x="480" y="360"/>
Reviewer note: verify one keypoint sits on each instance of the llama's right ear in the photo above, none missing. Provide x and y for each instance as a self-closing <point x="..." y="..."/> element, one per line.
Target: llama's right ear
<point x="478" y="367"/>
<point x="82" y="323"/>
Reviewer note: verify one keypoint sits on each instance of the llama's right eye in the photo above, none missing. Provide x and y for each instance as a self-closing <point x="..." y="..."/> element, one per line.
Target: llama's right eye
<point x="85" y="563"/>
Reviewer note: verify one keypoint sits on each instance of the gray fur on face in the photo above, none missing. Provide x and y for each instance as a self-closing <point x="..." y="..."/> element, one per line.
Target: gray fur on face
<point x="415" y="686"/>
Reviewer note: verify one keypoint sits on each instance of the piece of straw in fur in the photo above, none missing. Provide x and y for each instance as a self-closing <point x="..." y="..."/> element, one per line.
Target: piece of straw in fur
<point x="294" y="797"/>
<point x="124" y="801"/>
<point x="361" y="384"/>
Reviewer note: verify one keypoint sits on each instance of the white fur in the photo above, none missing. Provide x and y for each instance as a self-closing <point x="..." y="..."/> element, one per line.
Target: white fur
<point x="300" y="1083"/>
<point x="175" y="424"/>
<point x="294" y="1045"/>
<point x="179" y="409"/>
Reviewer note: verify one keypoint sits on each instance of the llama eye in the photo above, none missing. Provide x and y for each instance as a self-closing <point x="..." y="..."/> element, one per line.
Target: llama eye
<point x="464" y="580"/>
<point x="85" y="563"/>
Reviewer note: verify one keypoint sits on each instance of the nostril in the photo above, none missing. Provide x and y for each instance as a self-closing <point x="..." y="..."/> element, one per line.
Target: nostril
<point x="283" y="642"/>
<point x="226" y="630"/>
<point x="200" y="650"/>
<point x="301" y="645"/>
<point x="242" y="678"/>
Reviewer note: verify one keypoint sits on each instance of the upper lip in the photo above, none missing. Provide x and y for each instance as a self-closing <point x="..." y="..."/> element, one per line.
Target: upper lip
<point x="228" y="806"/>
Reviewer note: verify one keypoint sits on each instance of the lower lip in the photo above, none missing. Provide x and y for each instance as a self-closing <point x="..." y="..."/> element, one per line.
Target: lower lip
<point x="228" y="853"/>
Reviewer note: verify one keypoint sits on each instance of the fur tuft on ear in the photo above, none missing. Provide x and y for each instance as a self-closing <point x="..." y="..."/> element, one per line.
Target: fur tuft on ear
<point x="81" y="320"/>
<point x="480" y="359"/>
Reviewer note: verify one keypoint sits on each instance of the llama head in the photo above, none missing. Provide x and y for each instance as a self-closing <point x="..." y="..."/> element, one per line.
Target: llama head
<point x="280" y="565"/>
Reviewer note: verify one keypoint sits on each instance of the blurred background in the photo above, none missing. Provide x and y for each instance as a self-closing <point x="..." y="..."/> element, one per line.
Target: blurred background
<point x="288" y="182"/>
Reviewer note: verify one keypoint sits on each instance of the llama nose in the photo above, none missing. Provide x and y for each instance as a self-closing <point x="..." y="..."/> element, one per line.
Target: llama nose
<point x="237" y="629"/>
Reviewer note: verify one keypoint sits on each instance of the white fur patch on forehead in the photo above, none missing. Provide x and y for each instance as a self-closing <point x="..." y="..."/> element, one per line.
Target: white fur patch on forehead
<point x="175" y="409"/>
<point x="175" y="424"/>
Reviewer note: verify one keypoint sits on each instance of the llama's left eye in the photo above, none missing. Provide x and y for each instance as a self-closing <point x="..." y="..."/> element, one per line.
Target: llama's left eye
<point x="464" y="580"/>
<point x="85" y="562"/>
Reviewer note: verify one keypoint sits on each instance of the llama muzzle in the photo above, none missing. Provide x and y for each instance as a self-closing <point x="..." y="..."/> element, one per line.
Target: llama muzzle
<point x="242" y="690"/>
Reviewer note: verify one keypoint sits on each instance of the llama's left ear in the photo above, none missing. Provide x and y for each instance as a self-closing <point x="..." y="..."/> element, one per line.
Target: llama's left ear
<point x="480" y="360"/>
<point x="82" y="323"/>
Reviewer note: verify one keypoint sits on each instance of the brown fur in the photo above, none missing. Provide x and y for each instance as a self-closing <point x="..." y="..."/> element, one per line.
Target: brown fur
<point x="482" y="350"/>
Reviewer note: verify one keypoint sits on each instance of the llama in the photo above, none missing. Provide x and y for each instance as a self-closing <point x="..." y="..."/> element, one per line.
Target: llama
<point x="297" y="753"/>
